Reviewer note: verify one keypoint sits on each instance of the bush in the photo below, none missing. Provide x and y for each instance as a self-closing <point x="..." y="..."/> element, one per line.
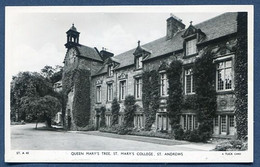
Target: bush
<point x="117" y="129"/>
<point x="87" y="128"/>
<point x="115" y="111"/>
<point x="102" y="116"/>
<point x="112" y="129"/>
<point x="193" y="136"/>
<point x="130" y="109"/>
<point x="152" y="134"/>
<point x="232" y="145"/>
<point x="178" y="132"/>
<point x="123" y="130"/>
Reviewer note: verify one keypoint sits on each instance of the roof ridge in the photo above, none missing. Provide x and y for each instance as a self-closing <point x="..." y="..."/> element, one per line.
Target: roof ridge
<point x="213" y="18"/>
<point x="143" y="46"/>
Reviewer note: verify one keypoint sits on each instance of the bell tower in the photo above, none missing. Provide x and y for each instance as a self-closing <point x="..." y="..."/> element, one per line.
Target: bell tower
<point x="72" y="37"/>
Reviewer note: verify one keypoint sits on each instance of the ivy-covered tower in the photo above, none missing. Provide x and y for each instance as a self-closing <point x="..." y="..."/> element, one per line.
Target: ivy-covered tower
<point x="79" y="63"/>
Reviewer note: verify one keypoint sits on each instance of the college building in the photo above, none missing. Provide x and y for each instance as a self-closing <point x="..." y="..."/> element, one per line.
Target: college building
<point x="102" y="76"/>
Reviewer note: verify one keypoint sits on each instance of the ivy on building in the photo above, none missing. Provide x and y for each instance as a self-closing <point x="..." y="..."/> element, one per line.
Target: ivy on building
<point x="102" y="111"/>
<point x="174" y="102"/>
<point x="79" y="79"/>
<point x="204" y="77"/>
<point x="130" y="108"/>
<point x="150" y="96"/>
<point x="241" y="104"/>
<point x="190" y="102"/>
<point x="115" y="111"/>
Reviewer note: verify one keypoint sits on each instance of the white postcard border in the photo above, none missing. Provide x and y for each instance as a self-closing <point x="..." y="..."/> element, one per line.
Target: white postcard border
<point x="187" y="156"/>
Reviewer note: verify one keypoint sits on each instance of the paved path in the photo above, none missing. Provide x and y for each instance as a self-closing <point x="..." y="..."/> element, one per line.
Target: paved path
<point x="25" y="137"/>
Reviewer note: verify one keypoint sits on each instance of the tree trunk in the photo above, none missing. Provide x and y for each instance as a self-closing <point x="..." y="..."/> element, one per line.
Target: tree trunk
<point x="48" y="122"/>
<point x="36" y="124"/>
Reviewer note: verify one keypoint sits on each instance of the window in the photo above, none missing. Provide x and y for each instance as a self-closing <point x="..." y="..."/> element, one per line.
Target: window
<point x="164" y="84"/>
<point x="216" y="121"/>
<point x="109" y="92"/>
<point x="191" y="47"/>
<point x="98" y="94"/>
<point x="189" y="83"/>
<point x="223" y="124"/>
<point x="231" y="121"/>
<point x="224" y="75"/>
<point x="138" y="88"/>
<point x="190" y="122"/>
<point x="122" y="90"/>
<point x="139" y="63"/>
<point x="110" y="70"/>
<point x="139" y="121"/>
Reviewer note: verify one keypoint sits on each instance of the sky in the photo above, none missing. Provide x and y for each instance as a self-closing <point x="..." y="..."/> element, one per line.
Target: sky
<point x="35" y="39"/>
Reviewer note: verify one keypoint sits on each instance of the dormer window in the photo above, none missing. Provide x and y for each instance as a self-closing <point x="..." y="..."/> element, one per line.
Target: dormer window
<point x="191" y="37"/>
<point x="110" y="71"/>
<point x="138" y="62"/>
<point x="191" y="47"/>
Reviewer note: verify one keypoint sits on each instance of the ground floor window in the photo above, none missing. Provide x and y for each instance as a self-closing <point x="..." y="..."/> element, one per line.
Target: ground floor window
<point x="162" y="121"/>
<point x="189" y="122"/>
<point x="224" y="124"/>
<point x="139" y="121"/>
<point x="108" y="120"/>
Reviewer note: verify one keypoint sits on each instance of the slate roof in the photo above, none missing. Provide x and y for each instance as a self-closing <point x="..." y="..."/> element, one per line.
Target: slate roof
<point x="214" y="28"/>
<point x="88" y="52"/>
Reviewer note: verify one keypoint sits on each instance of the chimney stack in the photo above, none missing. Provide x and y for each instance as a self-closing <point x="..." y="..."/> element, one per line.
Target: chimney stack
<point x="174" y="24"/>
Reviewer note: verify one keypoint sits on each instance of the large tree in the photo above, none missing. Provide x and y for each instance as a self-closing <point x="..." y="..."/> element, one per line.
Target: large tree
<point x="41" y="108"/>
<point x="54" y="74"/>
<point x="32" y="96"/>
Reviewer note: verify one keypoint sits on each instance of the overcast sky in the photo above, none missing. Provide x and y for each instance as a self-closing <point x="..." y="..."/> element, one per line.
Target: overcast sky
<point x="37" y="39"/>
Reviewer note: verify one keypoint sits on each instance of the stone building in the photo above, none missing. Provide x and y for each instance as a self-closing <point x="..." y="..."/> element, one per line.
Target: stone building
<point x="120" y="75"/>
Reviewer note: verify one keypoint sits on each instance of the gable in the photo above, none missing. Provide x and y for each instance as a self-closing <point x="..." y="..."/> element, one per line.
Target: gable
<point x="191" y="30"/>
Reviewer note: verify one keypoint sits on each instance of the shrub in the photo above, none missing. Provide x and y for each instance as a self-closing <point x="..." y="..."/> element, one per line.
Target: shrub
<point x="117" y="129"/>
<point x="193" y="136"/>
<point x="112" y="129"/>
<point x="232" y="145"/>
<point x="152" y="134"/>
<point x="130" y="109"/>
<point x="178" y="132"/>
<point x="87" y="128"/>
<point x="115" y="111"/>
<point x="124" y="130"/>
<point x="102" y="116"/>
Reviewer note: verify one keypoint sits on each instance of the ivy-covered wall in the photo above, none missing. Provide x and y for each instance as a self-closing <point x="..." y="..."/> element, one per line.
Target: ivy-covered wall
<point x="76" y="86"/>
<point x="241" y="65"/>
<point x="150" y="96"/>
<point x="104" y="79"/>
<point x="204" y="72"/>
<point x="174" y="103"/>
